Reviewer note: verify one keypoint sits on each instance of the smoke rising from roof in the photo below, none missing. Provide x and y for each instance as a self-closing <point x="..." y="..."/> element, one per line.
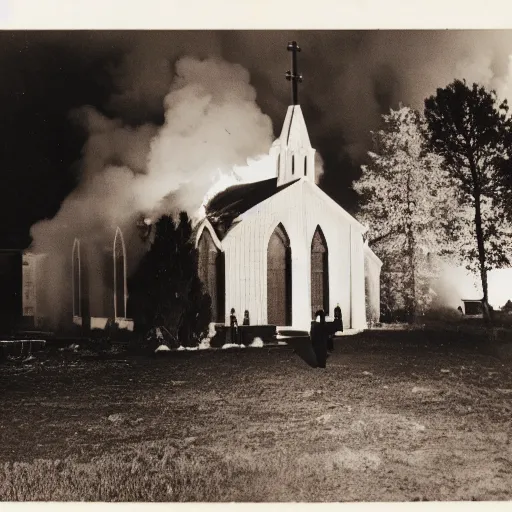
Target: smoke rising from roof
<point x="212" y="123"/>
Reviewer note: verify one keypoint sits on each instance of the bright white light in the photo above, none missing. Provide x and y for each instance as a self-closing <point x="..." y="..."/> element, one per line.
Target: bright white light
<point x="257" y="169"/>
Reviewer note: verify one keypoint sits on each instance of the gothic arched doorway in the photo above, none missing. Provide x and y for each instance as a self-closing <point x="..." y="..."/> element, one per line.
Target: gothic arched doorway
<point x="211" y="275"/>
<point x="319" y="273"/>
<point x="279" y="278"/>
<point x="120" y="294"/>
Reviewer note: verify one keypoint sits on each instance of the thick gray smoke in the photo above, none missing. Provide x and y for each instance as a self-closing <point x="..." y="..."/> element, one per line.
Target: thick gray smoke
<point x="212" y="123"/>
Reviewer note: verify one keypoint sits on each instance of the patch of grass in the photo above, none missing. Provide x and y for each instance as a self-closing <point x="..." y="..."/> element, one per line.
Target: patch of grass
<point x="396" y="416"/>
<point x="146" y="475"/>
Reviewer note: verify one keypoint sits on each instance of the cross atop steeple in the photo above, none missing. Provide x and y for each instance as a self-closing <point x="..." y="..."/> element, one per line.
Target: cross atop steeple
<point x="294" y="76"/>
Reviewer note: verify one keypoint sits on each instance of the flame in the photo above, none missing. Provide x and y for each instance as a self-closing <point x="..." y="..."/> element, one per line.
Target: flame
<point x="256" y="169"/>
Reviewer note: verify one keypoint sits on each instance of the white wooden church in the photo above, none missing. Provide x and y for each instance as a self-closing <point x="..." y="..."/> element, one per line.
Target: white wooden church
<point x="279" y="248"/>
<point x="282" y="249"/>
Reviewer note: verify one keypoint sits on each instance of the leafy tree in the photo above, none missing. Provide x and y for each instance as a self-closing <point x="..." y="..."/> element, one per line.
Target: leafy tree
<point x="406" y="201"/>
<point x="165" y="290"/>
<point x="469" y="129"/>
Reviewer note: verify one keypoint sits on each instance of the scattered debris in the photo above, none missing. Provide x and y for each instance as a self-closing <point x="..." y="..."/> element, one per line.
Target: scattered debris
<point x="257" y="343"/>
<point x="367" y="373"/>
<point x="444" y="370"/>
<point x="311" y="392"/>
<point x="504" y="391"/>
<point x="162" y="348"/>
<point x="324" y="418"/>
<point x="116" y="418"/>
<point x="418" y="389"/>
<point x="205" y="344"/>
<point x="232" y="345"/>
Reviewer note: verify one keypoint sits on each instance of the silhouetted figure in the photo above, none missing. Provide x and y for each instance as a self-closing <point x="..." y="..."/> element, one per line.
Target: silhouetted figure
<point x="337" y="326"/>
<point x="338" y="320"/>
<point x="319" y="338"/>
<point x="233" y="326"/>
<point x="246" y="318"/>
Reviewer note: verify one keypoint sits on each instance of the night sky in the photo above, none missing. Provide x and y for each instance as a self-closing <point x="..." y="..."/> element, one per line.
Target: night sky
<point x="350" y="79"/>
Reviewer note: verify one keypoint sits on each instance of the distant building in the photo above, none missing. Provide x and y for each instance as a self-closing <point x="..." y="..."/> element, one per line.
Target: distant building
<point x="99" y="284"/>
<point x="10" y="288"/>
<point x="96" y="289"/>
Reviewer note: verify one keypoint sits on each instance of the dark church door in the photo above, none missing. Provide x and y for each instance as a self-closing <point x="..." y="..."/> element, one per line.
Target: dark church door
<point x="319" y="274"/>
<point x="279" y="279"/>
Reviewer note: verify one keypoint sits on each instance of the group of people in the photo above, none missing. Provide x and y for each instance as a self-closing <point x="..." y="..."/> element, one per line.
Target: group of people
<point x="321" y="334"/>
<point x="234" y="332"/>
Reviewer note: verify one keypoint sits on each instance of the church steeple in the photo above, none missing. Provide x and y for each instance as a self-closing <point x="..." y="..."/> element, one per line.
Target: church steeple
<point x="295" y="158"/>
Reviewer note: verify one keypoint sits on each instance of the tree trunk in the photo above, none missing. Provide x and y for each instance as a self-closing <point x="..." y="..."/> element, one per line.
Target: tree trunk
<point x="481" y="258"/>
<point x="412" y="268"/>
<point x="410" y="250"/>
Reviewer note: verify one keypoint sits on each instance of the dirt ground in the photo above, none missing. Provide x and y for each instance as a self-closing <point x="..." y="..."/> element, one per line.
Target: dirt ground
<point x="396" y="416"/>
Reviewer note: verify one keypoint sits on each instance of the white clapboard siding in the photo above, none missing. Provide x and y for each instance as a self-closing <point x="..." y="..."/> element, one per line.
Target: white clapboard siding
<point x="373" y="267"/>
<point x="300" y="208"/>
<point x="358" y="313"/>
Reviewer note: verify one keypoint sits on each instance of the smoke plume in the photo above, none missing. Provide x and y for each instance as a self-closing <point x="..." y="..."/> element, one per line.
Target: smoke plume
<point x="212" y="124"/>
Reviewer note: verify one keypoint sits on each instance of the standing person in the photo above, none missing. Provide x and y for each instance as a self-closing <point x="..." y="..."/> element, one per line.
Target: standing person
<point x="338" y="320"/>
<point x="337" y="326"/>
<point x="233" y="327"/>
<point x="243" y="334"/>
<point x="319" y="338"/>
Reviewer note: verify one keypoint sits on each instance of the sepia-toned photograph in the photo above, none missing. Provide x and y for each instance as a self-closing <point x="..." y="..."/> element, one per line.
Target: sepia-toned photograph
<point x="255" y="265"/>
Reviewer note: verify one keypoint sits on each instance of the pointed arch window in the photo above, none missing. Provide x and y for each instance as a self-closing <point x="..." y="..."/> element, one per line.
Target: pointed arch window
<point x="120" y="288"/>
<point x="279" y="278"/>
<point x="319" y="273"/>
<point x="305" y="166"/>
<point x="293" y="164"/>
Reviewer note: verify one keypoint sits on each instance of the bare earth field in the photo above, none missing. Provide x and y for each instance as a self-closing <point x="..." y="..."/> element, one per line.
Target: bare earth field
<point x="396" y="416"/>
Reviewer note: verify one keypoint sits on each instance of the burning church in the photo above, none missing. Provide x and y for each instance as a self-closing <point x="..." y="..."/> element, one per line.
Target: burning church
<point x="279" y="248"/>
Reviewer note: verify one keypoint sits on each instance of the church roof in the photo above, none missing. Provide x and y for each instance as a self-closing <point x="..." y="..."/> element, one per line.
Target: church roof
<point x="227" y="205"/>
